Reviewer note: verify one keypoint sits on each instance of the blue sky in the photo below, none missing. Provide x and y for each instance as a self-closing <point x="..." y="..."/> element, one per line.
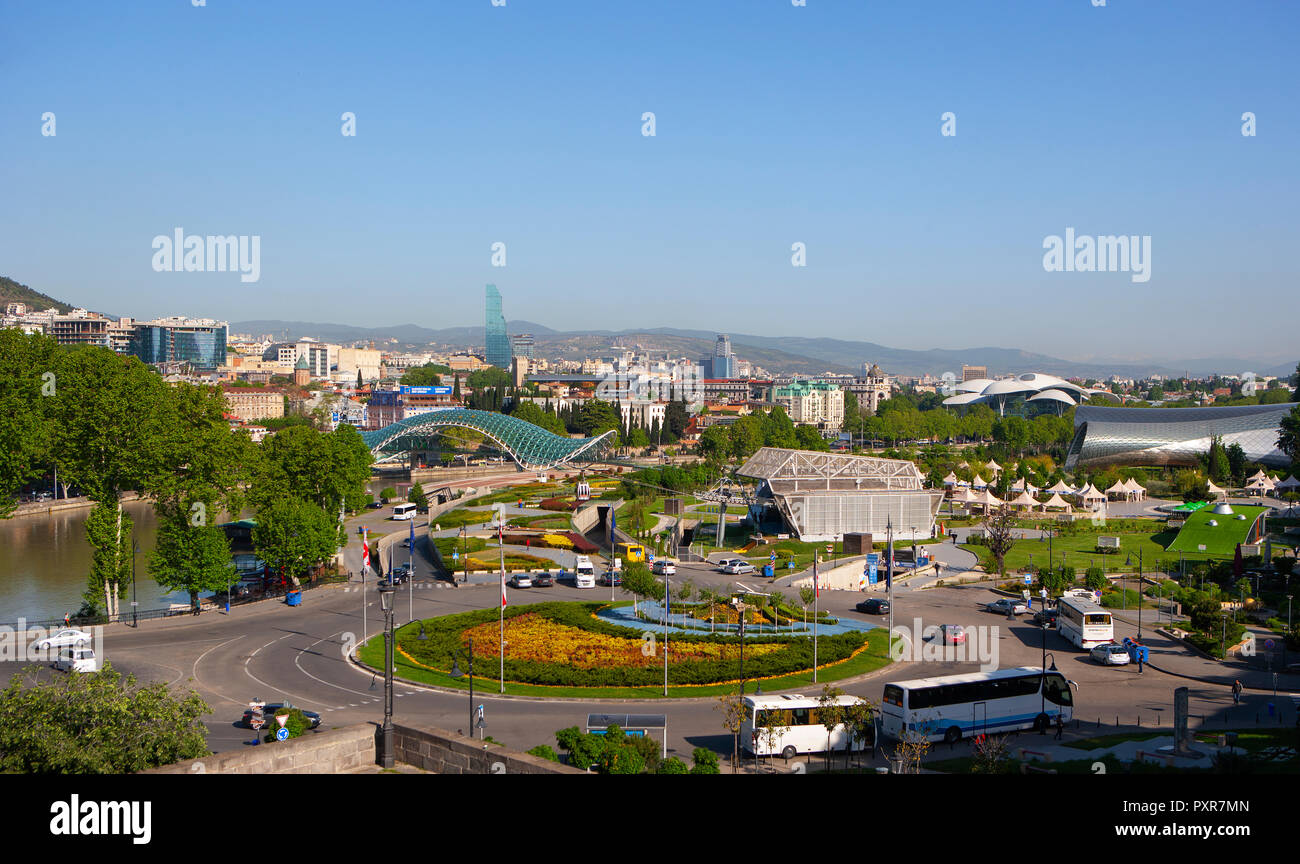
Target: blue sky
<point x="775" y="124"/>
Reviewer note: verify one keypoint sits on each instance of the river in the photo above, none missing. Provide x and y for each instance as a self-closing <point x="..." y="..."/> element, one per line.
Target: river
<point x="45" y="560"/>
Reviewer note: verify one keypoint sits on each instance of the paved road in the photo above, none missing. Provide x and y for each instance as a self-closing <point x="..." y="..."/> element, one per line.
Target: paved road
<point x="271" y="651"/>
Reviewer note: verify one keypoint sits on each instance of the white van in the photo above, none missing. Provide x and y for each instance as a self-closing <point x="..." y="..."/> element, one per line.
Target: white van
<point x="404" y="511"/>
<point x="584" y="574"/>
<point x="76" y="658"/>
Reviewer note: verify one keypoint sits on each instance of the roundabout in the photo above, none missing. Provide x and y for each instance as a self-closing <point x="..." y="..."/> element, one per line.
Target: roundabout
<point x="573" y="650"/>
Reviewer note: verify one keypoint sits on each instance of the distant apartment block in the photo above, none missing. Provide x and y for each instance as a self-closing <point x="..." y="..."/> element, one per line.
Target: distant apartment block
<point x="199" y="342"/>
<point x="814" y="404"/>
<point x="972" y="373"/>
<point x="253" y="403"/>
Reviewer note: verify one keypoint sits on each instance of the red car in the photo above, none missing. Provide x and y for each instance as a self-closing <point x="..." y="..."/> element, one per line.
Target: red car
<point x="952" y="634"/>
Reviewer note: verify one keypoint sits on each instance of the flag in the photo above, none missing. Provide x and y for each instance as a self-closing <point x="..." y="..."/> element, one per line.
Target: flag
<point x="365" y="553"/>
<point x="889" y="565"/>
<point x="412" y="537"/>
<point x="503" y="588"/>
<point x="816" y="589"/>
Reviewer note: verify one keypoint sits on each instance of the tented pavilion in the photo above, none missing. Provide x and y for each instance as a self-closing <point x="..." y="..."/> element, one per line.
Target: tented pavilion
<point x="1056" y="502"/>
<point x="1118" y="489"/>
<point x="1024" y="499"/>
<point x="1137" y="490"/>
<point x="1216" y="491"/>
<point x="1060" y="487"/>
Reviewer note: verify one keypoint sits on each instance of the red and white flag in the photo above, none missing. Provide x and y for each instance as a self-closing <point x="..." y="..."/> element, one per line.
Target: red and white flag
<point x="816" y="588"/>
<point x="365" y="553"/>
<point x="503" y="588"/>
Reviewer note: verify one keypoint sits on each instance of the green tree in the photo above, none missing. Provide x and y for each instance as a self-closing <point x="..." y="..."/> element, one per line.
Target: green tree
<point x="809" y="438"/>
<point x="704" y="761"/>
<point x="673" y="765"/>
<point x="190" y="556"/>
<point x="638" y="438"/>
<point x="1288" y="436"/>
<point x="998" y="527"/>
<point x="1236" y="462"/>
<point x="417" y="497"/>
<point x="778" y="429"/>
<point x="428" y="375"/>
<point x="1217" y="463"/>
<point x="292" y="534"/>
<point x="97" y="723"/>
<point x="830" y="714"/>
<point x="110" y="422"/>
<point x="745" y="437"/>
<point x="715" y="443"/>
<point x="26" y="392"/>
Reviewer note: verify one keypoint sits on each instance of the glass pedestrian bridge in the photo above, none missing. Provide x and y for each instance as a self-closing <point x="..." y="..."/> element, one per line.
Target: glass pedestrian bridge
<point x="532" y="447"/>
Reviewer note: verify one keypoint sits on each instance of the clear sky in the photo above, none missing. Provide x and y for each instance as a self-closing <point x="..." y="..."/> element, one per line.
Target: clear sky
<point x="775" y="124"/>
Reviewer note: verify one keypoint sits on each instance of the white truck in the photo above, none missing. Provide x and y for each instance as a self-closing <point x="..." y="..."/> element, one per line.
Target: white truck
<point x="584" y="574"/>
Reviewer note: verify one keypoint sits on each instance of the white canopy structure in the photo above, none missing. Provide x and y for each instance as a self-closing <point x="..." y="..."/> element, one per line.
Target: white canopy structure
<point x="1258" y="475"/>
<point x="1091" y="493"/>
<point x="1216" y="491"/>
<point x="1057" y="501"/>
<point x="1139" y="491"/>
<point x="993" y="466"/>
<point x="979" y="482"/>
<point x="1021" y="486"/>
<point x="1060" y="487"/>
<point x="1289" y="484"/>
<point x="950" y="480"/>
<point x="1031" y="386"/>
<point x="988" y="499"/>
<point x="1024" y="499"/>
<point x="1119" y="489"/>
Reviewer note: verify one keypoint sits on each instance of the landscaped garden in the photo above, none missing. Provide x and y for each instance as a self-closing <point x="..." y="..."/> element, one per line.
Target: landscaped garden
<point x="563" y="649"/>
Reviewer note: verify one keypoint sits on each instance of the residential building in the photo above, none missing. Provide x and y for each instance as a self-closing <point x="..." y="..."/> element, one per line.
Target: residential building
<point x="812" y="403"/>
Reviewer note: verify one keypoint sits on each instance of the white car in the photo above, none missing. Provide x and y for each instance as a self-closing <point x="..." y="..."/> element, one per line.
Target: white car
<point x="76" y="660"/>
<point x="738" y="568"/>
<point x="1110" y="654"/>
<point x="521" y="580"/>
<point x="665" y="568"/>
<point x="61" y="639"/>
<point x="722" y="565"/>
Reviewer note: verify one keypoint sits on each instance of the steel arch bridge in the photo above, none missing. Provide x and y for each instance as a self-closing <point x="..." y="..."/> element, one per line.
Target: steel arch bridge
<point x="532" y="447"/>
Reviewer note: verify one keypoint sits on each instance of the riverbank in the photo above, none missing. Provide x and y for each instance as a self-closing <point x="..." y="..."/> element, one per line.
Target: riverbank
<point x="49" y="508"/>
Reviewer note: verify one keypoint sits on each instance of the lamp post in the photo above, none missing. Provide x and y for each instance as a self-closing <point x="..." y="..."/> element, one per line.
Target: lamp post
<point x="387" y="592"/>
<point x="464" y="554"/>
<point x="1139" y="595"/>
<point x="456" y="673"/>
<point x="135" y="547"/>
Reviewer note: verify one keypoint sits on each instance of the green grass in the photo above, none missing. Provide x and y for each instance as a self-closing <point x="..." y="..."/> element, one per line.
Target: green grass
<point x="557" y="522"/>
<point x="1079" y="551"/>
<point x="372" y="654"/>
<point x="1112" y="740"/>
<point x="447" y="545"/>
<point x="1220" y="540"/>
<point x="461" y="517"/>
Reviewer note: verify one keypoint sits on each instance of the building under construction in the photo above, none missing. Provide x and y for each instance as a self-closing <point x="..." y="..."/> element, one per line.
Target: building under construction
<point x="823" y="496"/>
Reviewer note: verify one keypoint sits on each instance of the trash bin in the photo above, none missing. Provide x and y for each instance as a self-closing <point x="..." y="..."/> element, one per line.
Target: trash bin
<point x="293" y="598"/>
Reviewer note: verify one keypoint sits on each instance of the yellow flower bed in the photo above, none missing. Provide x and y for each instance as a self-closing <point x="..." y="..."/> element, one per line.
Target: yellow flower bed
<point x="557" y="541"/>
<point x="535" y="638"/>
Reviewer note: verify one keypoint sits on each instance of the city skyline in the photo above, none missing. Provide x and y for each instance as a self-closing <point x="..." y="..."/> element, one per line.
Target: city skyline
<point x="1133" y="128"/>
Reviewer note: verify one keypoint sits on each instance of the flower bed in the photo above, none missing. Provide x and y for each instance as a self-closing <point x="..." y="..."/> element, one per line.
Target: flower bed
<point x="564" y="644"/>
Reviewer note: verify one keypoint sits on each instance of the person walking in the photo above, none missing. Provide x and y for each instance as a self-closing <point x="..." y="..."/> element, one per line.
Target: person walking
<point x="1236" y="692"/>
<point x="1060" y="727"/>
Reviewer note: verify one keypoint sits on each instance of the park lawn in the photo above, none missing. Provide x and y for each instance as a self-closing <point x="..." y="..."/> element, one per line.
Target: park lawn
<point x="448" y="545"/>
<point x="512" y="494"/>
<point x="1079" y="551"/>
<point x="1220" y="540"/>
<point x="872" y="658"/>
<point x="558" y="521"/>
<point x="460" y="517"/>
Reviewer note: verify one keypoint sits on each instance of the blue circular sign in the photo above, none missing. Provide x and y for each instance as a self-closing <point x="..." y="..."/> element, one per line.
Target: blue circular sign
<point x="281" y="734"/>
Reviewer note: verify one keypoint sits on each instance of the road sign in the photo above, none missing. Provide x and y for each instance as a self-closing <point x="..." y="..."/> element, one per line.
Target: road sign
<point x="282" y="734"/>
<point x="256" y="721"/>
<point x="1029" y="580"/>
<point x="455" y="556"/>
<point x="282" y="719"/>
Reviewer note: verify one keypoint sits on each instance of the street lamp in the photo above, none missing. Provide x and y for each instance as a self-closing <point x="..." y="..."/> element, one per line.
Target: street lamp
<point x="387" y="593"/>
<point x="457" y="674"/>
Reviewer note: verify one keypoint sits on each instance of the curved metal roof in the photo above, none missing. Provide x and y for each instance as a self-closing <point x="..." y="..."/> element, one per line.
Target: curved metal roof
<point x="532" y="447"/>
<point x="1054" y="395"/>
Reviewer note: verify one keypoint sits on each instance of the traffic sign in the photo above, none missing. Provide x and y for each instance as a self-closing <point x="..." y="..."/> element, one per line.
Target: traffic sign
<point x="257" y="722"/>
<point x="282" y="719"/>
<point x="282" y="734"/>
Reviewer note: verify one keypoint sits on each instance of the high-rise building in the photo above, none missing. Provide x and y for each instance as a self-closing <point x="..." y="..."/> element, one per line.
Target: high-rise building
<point x="201" y="342"/>
<point x="496" y="343"/>
<point x="522" y="344"/>
<point x="973" y="373"/>
<point x="723" y="363"/>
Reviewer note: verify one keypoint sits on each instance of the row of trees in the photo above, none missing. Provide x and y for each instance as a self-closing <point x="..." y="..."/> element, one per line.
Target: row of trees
<point x="741" y="439"/>
<point x="109" y="425"/>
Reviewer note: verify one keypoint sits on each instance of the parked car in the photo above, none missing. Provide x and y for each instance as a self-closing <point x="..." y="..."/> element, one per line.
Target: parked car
<point x="664" y="567"/>
<point x="62" y="639"/>
<point x="1110" y="654"/>
<point x="76" y="659"/>
<point x="727" y="562"/>
<point x="521" y="580"/>
<point x="611" y="577"/>
<point x="268" y="714"/>
<point x="739" y="568"/>
<point x="1002" y="604"/>
<point x="543" y="580"/>
<point x="874" y="606"/>
<point x="1046" y="617"/>
<point x="952" y="634"/>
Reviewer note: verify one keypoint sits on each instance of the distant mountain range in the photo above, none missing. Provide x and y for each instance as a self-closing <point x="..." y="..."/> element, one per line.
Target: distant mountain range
<point x="780" y="354"/>
<point x="791" y="354"/>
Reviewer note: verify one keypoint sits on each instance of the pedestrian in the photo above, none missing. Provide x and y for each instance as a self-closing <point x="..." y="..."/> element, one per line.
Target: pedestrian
<point x="67" y="618"/>
<point x="1060" y="727"/>
<point x="1236" y="692"/>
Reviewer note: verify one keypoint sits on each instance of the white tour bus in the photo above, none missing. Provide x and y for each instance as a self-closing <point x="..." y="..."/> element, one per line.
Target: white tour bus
<point x="951" y="707"/>
<point x="799" y="730"/>
<point x="584" y="574"/>
<point x="1083" y="623"/>
<point x="404" y="511"/>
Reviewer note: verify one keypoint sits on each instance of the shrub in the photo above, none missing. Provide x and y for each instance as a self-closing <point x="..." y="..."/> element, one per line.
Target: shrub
<point x="673" y="765"/>
<point x="706" y="761"/>
<point x="544" y="751"/>
<point x="387" y="494"/>
<point x="296" y="724"/>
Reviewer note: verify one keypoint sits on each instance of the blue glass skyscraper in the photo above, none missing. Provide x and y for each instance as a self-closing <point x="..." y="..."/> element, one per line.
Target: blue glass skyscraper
<point x="496" y="342"/>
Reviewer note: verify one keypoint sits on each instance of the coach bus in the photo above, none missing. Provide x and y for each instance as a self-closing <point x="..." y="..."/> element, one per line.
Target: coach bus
<point x="795" y="726"/>
<point x="404" y="511"/>
<point x="951" y="707"/>
<point x="630" y="551"/>
<point x="1083" y="623"/>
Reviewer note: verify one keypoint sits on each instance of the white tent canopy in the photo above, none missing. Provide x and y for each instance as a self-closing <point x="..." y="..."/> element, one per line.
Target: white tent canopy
<point x="979" y="482"/>
<point x="1118" y="488"/>
<point x="1060" y="486"/>
<point x="1215" y="490"/>
<point x="1289" y="483"/>
<point x="1057" y="501"/>
<point x="950" y="480"/>
<point x="1091" y="493"/>
<point x="993" y="466"/>
<point x="1024" y="499"/>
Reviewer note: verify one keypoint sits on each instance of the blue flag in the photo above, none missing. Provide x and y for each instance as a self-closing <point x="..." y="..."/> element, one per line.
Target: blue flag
<point x="889" y="567"/>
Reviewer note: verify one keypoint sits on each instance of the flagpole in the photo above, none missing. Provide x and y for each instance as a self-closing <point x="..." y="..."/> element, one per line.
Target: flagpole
<point x="365" y="565"/>
<point x="816" y="593"/>
<point x="668" y="614"/>
<point x="410" y="577"/>
<point x="889" y="583"/>
<point x="502" y="642"/>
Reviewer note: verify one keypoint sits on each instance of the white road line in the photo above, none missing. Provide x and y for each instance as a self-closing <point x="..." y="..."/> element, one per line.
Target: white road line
<point x="298" y="657"/>
<point x="274" y="689"/>
<point x="195" y="669"/>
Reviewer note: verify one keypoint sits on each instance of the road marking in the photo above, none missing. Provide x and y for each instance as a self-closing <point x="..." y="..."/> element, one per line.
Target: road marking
<point x="195" y="669"/>
<point x="297" y="662"/>
<point x="282" y="692"/>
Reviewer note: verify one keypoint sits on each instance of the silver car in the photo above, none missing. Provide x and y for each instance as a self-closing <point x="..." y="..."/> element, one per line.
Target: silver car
<point x="1017" y="607"/>
<point x="1110" y="654"/>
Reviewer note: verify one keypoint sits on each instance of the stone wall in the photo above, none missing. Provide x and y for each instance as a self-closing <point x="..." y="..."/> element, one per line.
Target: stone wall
<point x="335" y="751"/>
<point x="444" y="752"/>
